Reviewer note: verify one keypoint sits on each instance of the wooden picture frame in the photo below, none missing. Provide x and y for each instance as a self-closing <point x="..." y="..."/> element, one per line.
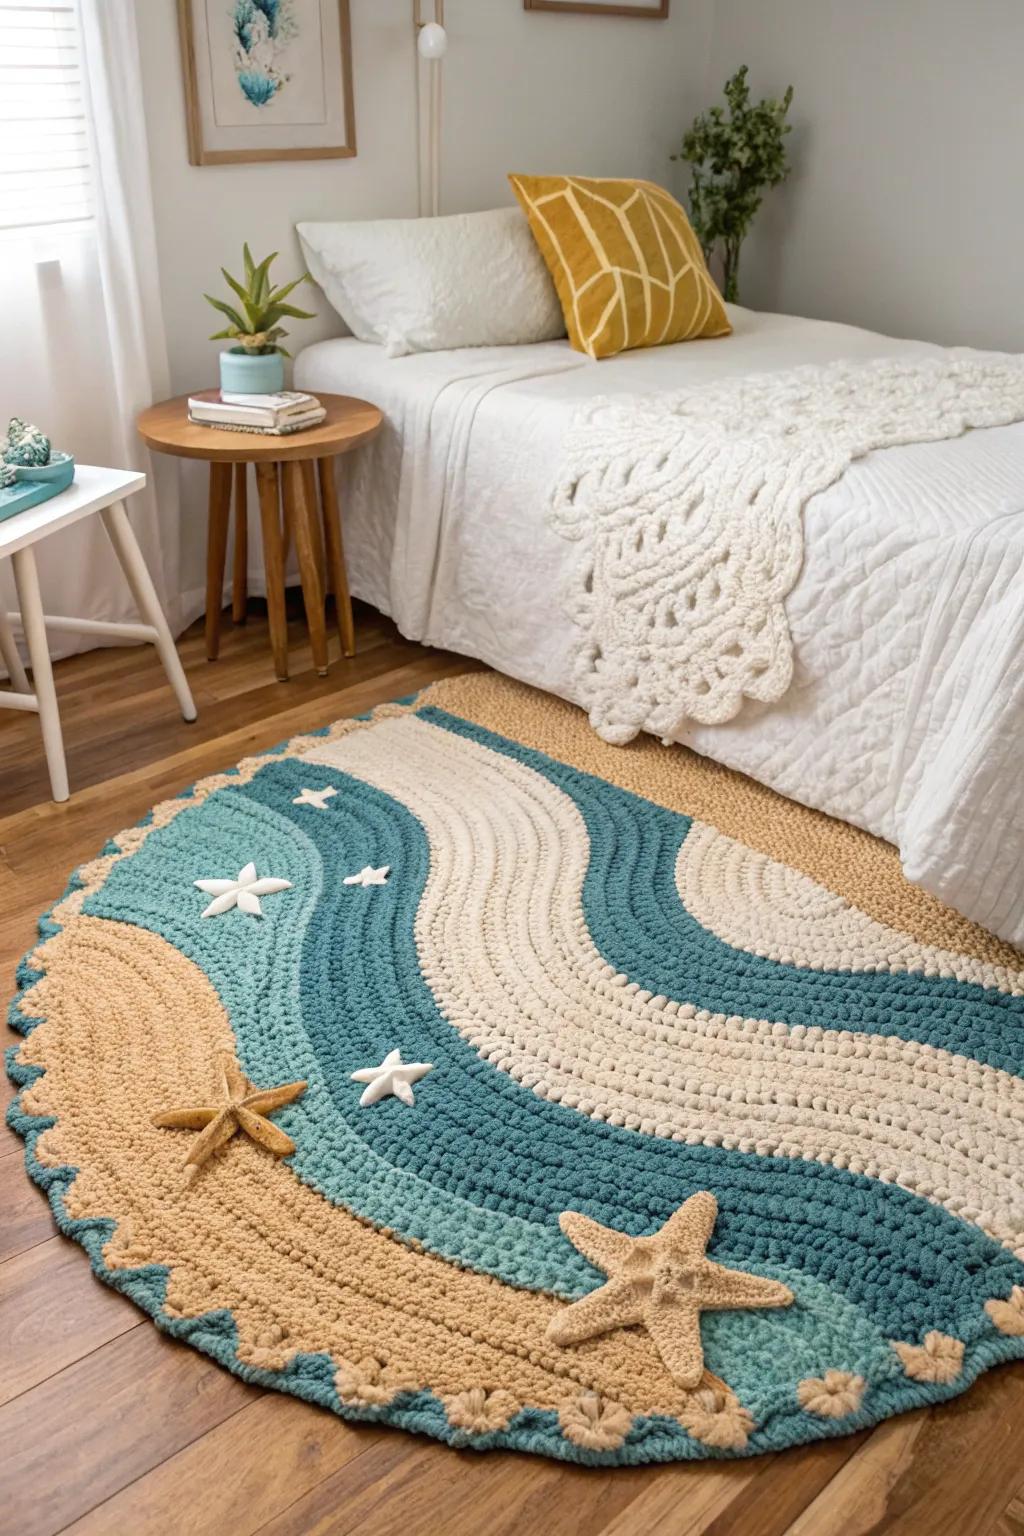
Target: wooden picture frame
<point x="321" y="34"/>
<point x="656" y="11"/>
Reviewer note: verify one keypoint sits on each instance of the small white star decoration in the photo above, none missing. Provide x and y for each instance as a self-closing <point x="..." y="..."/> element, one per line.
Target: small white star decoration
<point x="393" y="1076"/>
<point x="369" y="876"/>
<point x="243" y="892"/>
<point x="317" y="798"/>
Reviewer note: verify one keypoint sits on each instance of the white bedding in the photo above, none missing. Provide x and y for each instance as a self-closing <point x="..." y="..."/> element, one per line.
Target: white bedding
<point x="906" y="713"/>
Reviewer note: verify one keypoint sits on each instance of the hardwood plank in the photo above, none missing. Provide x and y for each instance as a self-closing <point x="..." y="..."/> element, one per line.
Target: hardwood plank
<point x="683" y="1500"/>
<point x="79" y="1438"/>
<point x="238" y="1476"/>
<point x="25" y="1217"/>
<point x="403" y="1483"/>
<point x="942" y="1471"/>
<point x="1011" y="1521"/>
<point x="53" y="1311"/>
<point x="781" y="1486"/>
<point x="336" y="1503"/>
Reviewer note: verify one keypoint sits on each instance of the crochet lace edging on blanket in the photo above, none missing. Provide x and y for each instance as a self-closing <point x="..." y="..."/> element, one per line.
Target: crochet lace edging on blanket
<point x="688" y="511"/>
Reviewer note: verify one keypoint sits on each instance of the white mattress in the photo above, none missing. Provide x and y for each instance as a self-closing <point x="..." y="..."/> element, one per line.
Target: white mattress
<point x="906" y="714"/>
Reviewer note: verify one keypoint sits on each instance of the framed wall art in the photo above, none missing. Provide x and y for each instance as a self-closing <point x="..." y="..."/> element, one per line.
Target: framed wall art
<point x="655" y="10"/>
<point x="267" y="80"/>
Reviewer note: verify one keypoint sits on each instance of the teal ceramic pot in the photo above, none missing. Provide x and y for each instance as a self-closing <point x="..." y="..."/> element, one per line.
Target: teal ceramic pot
<point x="245" y="373"/>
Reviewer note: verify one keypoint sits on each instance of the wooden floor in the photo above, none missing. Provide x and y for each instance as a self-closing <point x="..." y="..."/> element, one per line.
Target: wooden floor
<point x="108" y="1428"/>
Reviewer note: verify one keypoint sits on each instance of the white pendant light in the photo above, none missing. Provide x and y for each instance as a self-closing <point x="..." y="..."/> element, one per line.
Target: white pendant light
<point x="433" y="41"/>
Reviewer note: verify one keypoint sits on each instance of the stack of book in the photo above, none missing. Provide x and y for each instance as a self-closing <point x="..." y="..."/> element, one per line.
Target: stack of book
<point x="271" y="415"/>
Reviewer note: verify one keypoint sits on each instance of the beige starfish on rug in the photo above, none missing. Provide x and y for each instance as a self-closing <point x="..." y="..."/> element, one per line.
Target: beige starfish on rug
<point x="244" y="1108"/>
<point x="662" y="1282"/>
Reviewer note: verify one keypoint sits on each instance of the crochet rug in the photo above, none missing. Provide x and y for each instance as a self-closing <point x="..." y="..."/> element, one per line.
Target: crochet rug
<point x="453" y="1069"/>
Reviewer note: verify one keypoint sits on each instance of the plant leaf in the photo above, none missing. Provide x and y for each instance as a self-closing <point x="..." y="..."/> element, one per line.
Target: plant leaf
<point x="226" y="309"/>
<point x="249" y="265"/>
<point x="286" y="289"/>
<point x="259" y="286"/>
<point x="277" y="310"/>
<point x="228" y="335"/>
<point x="234" y="285"/>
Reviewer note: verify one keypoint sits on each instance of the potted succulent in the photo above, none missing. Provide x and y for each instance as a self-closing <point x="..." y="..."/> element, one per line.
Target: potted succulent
<point x="255" y="365"/>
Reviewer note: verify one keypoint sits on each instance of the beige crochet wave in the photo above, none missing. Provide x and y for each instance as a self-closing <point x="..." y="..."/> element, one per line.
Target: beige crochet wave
<point x="688" y="509"/>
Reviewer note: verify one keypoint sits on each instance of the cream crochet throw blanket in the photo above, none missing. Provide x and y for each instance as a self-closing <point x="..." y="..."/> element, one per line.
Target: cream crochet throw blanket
<point x="688" y="510"/>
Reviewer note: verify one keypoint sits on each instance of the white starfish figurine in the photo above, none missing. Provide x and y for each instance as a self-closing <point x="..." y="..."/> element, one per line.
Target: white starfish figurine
<point x="243" y="893"/>
<point x="392" y="1076"/>
<point x="315" y="797"/>
<point x="369" y="876"/>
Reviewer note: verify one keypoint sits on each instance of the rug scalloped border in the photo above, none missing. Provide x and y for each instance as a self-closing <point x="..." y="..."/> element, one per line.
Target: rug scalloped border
<point x="311" y="1377"/>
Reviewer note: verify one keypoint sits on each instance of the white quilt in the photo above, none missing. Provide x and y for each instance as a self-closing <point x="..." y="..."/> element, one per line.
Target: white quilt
<point x="906" y="711"/>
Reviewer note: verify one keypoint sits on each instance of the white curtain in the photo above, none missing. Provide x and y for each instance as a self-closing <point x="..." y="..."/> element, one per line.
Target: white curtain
<point x="84" y="346"/>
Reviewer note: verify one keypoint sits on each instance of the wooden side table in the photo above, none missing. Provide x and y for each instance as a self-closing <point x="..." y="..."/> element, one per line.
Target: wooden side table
<point x="286" y="473"/>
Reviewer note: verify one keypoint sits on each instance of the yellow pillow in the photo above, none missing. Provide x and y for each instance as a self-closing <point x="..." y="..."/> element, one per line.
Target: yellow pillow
<point x="628" y="268"/>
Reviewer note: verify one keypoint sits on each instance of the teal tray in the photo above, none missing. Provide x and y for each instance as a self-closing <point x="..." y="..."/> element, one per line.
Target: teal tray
<point x="36" y="484"/>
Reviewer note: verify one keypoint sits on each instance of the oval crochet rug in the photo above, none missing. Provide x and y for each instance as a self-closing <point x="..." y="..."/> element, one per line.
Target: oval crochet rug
<point x="451" y="1068"/>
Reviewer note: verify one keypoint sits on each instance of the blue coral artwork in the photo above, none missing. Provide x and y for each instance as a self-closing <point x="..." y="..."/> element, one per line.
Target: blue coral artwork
<point x="263" y="32"/>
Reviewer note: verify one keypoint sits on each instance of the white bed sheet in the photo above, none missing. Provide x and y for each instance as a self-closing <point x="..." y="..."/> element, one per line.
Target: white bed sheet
<point x="906" y="714"/>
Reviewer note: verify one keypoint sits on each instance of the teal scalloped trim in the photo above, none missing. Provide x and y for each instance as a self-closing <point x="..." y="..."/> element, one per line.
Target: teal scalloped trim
<point x="652" y="1439"/>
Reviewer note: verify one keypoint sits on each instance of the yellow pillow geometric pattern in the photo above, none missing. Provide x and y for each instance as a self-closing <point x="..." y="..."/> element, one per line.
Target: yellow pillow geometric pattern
<point x="627" y="266"/>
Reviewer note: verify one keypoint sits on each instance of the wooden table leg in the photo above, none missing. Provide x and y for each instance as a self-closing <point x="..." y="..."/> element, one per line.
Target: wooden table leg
<point x="240" y="567"/>
<point x="273" y="565"/>
<point x="216" y="553"/>
<point x="300" y="514"/>
<point x="336" y="557"/>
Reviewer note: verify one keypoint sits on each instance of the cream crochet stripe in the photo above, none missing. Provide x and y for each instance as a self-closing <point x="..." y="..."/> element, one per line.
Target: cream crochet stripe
<point x="688" y="510"/>
<point x="523" y="982"/>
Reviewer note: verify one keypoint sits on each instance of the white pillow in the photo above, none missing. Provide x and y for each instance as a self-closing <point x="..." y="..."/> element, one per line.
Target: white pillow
<point x="423" y="285"/>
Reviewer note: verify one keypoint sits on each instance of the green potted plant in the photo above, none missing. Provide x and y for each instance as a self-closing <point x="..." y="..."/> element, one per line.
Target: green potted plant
<point x="735" y="160"/>
<point x="255" y="365"/>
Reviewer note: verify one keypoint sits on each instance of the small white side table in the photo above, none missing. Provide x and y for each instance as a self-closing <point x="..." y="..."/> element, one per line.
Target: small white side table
<point x="99" y="491"/>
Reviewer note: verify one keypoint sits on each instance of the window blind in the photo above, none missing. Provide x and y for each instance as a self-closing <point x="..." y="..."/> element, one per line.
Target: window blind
<point x="45" y="175"/>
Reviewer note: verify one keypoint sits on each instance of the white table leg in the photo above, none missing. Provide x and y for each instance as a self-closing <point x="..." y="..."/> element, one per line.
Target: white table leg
<point x="11" y="659"/>
<point x="26" y="579"/>
<point x="126" y="547"/>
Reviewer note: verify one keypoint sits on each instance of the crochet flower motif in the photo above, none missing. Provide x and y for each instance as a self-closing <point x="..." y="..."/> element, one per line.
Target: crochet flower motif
<point x="833" y="1395"/>
<point x="715" y="1416"/>
<point x="392" y="1076"/>
<point x="242" y="1108"/>
<point x="480" y="1412"/>
<point x="368" y="1383"/>
<point x="269" y="1349"/>
<point x="595" y="1422"/>
<point x="317" y="798"/>
<point x="937" y="1358"/>
<point x="369" y="876"/>
<point x="243" y="892"/>
<point x="1008" y="1316"/>
<point x="663" y="1282"/>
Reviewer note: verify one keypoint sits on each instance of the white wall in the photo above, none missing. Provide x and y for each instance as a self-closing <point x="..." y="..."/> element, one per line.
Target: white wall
<point x="524" y="91"/>
<point x="903" y="210"/>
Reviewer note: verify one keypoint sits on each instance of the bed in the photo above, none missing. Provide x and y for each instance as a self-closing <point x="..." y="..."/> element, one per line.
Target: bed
<point x="905" y="712"/>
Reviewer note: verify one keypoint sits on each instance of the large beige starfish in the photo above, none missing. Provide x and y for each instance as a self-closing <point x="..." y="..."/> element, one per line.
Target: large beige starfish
<point x="244" y="1108"/>
<point x="663" y="1282"/>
